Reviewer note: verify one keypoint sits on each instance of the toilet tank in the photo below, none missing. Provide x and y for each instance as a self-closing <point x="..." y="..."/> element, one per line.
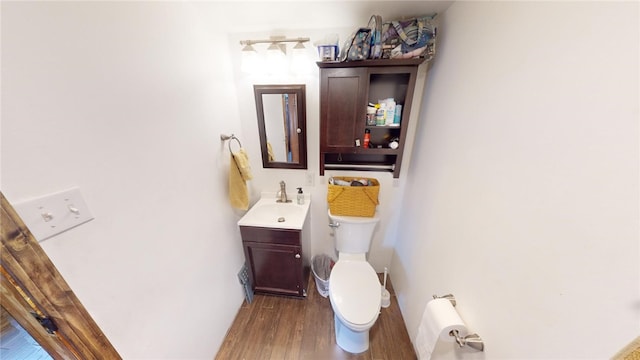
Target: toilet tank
<point x="353" y="234"/>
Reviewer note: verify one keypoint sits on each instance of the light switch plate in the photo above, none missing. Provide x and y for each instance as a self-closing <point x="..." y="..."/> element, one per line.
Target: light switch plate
<point x="53" y="214"/>
<point x="309" y="178"/>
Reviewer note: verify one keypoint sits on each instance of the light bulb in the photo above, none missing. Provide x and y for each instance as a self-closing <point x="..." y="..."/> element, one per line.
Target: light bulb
<point x="276" y="58"/>
<point x="249" y="59"/>
<point x="300" y="64"/>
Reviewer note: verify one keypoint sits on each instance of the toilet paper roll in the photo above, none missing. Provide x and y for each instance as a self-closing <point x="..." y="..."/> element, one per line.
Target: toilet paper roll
<point x="443" y="318"/>
<point x="438" y="320"/>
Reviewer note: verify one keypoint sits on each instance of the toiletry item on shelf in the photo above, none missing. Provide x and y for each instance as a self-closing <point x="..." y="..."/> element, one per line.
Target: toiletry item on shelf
<point x="389" y="106"/>
<point x="328" y="47"/>
<point x="391" y="110"/>
<point x="380" y="113"/>
<point x="397" y="115"/>
<point x="367" y="138"/>
<point x="394" y="143"/>
<point x="371" y="115"/>
<point x="300" y="197"/>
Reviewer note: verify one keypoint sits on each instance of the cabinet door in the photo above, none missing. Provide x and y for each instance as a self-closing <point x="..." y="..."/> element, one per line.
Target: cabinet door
<point x="275" y="268"/>
<point x="342" y="109"/>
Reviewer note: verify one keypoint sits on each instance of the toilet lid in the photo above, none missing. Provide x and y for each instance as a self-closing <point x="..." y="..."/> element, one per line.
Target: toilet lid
<point x="355" y="291"/>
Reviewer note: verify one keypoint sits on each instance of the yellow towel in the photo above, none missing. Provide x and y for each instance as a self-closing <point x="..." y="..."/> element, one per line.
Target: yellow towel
<point x="242" y="161"/>
<point x="270" y="152"/>
<point x="239" y="173"/>
<point x="630" y="352"/>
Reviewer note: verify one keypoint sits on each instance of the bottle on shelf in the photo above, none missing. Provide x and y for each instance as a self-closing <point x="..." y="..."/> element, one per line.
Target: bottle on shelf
<point x="398" y="114"/>
<point x="394" y="143"/>
<point x="367" y="138"/>
<point x="380" y="113"/>
<point x="371" y="116"/>
<point x="391" y="110"/>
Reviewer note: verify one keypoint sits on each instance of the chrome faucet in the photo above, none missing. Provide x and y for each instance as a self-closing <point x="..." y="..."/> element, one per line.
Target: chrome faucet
<point x="282" y="194"/>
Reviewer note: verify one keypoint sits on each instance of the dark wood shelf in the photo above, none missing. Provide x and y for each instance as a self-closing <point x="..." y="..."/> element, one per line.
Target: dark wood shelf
<point x="382" y="127"/>
<point x="370" y="63"/>
<point x="377" y="151"/>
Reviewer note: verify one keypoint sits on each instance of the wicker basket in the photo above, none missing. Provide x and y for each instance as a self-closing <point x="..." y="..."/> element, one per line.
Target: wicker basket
<point x="353" y="200"/>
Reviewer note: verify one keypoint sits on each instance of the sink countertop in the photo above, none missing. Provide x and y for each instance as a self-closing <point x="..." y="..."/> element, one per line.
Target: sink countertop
<point x="266" y="212"/>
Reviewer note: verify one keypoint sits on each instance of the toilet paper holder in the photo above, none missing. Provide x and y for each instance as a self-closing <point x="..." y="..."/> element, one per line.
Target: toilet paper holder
<point x="474" y="341"/>
<point x="449" y="297"/>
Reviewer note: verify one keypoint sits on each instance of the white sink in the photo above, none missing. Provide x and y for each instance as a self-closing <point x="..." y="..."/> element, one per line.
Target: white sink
<point x="271" y="214"/>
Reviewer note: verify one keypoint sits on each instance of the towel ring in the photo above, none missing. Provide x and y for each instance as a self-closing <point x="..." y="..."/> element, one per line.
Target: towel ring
<point x="224" y="137"/>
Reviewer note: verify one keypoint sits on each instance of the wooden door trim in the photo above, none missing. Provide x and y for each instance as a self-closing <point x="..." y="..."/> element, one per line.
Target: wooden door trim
<point x="28" y="270"/>
<point x="14" y="302"/>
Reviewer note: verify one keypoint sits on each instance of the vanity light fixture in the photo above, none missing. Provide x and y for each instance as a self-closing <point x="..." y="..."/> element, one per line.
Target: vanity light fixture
<point x="249" y="48"/>
<point x="277" y="48"/>
<point x="275" y="40"/>
<point x="275" y="56"/>
<point x="299" y="45"/>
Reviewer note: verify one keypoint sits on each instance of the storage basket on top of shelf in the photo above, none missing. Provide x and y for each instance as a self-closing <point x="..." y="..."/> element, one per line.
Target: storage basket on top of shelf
<point x="353" y="200"/>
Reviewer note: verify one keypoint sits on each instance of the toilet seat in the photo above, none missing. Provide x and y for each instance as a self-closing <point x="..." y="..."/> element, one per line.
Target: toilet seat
<point x="355" y="292"/>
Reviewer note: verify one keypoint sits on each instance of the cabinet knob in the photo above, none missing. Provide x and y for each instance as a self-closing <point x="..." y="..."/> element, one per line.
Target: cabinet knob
<point x="299" y="131"/>
<point x="297" y="256"/>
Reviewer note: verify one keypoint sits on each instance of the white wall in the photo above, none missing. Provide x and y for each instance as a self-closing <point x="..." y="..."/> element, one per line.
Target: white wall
<point x="522" y="198"/>
<point x="117" y="98"/>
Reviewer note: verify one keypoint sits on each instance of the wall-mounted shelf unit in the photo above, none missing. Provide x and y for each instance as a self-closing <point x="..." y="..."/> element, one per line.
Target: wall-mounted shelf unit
<point x="345" y="90"/>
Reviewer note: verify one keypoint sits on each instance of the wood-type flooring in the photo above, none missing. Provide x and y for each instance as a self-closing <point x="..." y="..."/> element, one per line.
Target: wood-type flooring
<point x="278" y="328"/>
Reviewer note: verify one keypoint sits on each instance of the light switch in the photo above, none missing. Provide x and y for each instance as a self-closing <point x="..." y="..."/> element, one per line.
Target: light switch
<point x="53" y="214"/>
<point x="309" y="178"/>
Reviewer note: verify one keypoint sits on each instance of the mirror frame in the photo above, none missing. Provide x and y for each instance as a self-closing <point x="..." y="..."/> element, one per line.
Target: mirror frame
<point x="299" y="91"/>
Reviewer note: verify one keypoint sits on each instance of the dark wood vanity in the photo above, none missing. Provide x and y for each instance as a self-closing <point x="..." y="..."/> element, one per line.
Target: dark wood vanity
<point x="277" y="254"/>
<point x="275" y="260"/>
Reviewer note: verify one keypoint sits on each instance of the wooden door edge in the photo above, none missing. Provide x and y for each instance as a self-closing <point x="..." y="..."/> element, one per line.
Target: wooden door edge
<point x="27" y="268"/>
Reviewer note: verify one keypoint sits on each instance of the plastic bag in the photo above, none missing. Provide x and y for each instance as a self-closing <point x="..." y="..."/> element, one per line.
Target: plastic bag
<point x="409" y="38"/>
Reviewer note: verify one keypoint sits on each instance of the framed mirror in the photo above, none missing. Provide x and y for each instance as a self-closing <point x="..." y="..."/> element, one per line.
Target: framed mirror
<point x="282" y="125"/>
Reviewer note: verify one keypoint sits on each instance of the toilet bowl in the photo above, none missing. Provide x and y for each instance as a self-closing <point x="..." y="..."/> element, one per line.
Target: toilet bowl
<point x="354" y="287"/>
<point x="354" y="291"/>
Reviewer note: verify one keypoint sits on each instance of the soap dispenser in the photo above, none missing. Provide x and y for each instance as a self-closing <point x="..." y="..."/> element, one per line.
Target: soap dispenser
<point x="300" y="197"/>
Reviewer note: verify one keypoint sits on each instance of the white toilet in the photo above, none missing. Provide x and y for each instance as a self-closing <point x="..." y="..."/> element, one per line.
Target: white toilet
<point x="354" y="287"/>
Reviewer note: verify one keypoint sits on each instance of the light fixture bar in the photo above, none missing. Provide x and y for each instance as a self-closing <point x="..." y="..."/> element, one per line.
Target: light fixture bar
<point x="274" y="40"/>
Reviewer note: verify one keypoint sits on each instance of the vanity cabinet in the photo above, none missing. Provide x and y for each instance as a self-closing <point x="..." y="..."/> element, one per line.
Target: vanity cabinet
<point x="346" y="89"/>
<point x="275" y="260"/>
